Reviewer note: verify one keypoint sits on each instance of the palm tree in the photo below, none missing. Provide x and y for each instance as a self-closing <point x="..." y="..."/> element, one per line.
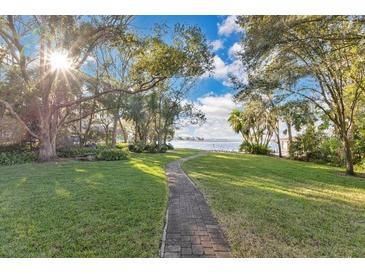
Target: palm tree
<point x="237" y="124"/>
<point x="235" y="120"/>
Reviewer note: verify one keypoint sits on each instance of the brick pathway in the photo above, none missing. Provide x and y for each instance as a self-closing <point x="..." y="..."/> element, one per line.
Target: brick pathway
<point x="191" y="229"/>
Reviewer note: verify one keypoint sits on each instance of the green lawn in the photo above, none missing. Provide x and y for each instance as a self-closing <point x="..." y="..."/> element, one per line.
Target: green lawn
<point x="271" y="207"/>
<point x="84" y="209"/>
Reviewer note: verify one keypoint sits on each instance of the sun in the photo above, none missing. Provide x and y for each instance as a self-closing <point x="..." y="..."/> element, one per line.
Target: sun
<point x="59" y="60"/>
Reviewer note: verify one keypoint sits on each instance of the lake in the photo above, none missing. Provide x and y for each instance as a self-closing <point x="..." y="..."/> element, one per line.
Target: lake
<point x="208" y="145"/>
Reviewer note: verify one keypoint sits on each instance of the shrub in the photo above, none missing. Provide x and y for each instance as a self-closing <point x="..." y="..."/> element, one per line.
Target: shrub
<point x="153" y="148"/>
<point x="12" y="158"/>
<point x="18" y="147"/>
<point x="102" y="146"/>
<point x="330" y="151"/>
<point x="132" y="147"/>
<point x="73" y="152"/>
<point x="362" y="165"/>
<point x="314" y="146"/>
<point x="111" y="155"/>
<point x="117" y="146"/>
<point x="121" y="145"/>
<point x="164" y="148"/>
<point x="255" y="148"/>
<point x="169" y="146"/>
<point x="137" y="148"/>
<point x="11" y="147"/>
<point x="106" y="154"/>
<point x="150" y="148"/>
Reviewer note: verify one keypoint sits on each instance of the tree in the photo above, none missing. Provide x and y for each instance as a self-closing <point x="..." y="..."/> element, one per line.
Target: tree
<point x="296" y="114"/>
<point x="308" y="143"/>
<point x="175" y="111"/>
<point x="254" y="123"/>
<point x="359" y="133"/>
<point x="43" y="66"/>
<point x="269" y="100"/>
<point x="106" y="120"/>
<point x="116" y="58"/>
<point x="319" y="58"/>
<point x="47" y="66"/>
<point x="156" y="115"/>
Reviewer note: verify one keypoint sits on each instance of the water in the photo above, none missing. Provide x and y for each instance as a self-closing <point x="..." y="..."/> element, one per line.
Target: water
<point x="208" y="145"/>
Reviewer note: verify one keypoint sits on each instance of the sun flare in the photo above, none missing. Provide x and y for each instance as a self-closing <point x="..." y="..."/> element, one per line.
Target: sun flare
<point x="60" y="61"/>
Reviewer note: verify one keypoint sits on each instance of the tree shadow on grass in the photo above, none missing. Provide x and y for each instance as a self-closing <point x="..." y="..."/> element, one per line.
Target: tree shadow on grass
<point x="272" y="204"/>
<point x="306" y="221"/>
<point x="98" y="209"/>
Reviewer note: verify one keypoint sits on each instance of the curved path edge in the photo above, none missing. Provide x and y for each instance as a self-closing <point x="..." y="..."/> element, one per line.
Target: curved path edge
<point x="191" y="231"/>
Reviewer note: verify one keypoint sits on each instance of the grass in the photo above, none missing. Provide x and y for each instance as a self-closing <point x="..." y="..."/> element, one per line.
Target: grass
<point x="84" y="209"/>
<point x="270" y="207"/>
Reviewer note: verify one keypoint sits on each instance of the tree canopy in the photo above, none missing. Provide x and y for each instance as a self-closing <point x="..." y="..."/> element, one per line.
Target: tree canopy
<point x="317" y="58"/>
<point x="51" y="65"/>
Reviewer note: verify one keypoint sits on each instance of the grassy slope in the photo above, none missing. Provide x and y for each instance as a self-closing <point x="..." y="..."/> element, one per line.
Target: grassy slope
<point x="84" y="209"/>
<point x="272" y="207"/>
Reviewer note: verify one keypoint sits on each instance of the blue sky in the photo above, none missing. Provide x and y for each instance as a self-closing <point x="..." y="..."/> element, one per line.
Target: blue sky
<point x="213" y="93"/>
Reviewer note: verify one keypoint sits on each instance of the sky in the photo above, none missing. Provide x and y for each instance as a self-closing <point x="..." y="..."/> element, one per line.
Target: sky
<point x="213" y="93"/>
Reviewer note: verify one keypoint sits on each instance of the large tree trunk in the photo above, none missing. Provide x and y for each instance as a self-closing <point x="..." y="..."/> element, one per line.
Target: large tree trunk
<point x="290" y="137"/>
<point x="279" y="144"/>
<point x="48" y="125"/>
<point x="47" y="149"/>
<point x="277" y="133"/>
<point x="114" y="131"/>
<point x="106" y="131"/>
<point x="81" y="139"/>
<point x="159" y="132"/>
<point x="348" y="156"/>
<point x="165" y="137"/>
<point x="124" y="131"/>
<point x="135" y="132"/>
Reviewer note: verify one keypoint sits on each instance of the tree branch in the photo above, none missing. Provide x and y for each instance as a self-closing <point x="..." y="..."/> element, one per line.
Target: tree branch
<point x="86" y="115"/>
<point x="16" y="116"/>
<point x="128" y="91"/>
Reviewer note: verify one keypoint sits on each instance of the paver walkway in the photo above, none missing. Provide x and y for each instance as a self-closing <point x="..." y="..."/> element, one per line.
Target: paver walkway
<point x="191" y="229"/>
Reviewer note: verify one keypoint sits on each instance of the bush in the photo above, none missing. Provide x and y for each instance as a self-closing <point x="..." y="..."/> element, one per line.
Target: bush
<point x="12" y="158"/>
<point x="117" y="146"/>
<point x="107" y="154"/>
<point x="137" y="148"/>
<point x="11" y="147"/>
<point x="164" y="148"/>
<point x="153" y="148"/>
<point x="121" y="146"/>
<point x="18" y="147"/>
<point x="102" y="146"/>
<point x="314" y="146"/>
<point x="73" y="152"/>
<point x="362" y="165"/>
<point x="255" y="148"/>
<point x="150" y="148"/>
<point x="169" y="146"/>
<point x="111" y="155"/>
<point x="330" y="151"/>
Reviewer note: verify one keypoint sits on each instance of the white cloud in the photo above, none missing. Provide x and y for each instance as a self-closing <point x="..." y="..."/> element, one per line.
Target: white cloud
<point x="228" y="26"/>
<point x="216" y="110"/>
<point x="235" y="50"/>
<point x="216" y="45"/>
<point x="220" y="69"/>
<point x="223" y="70"/>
